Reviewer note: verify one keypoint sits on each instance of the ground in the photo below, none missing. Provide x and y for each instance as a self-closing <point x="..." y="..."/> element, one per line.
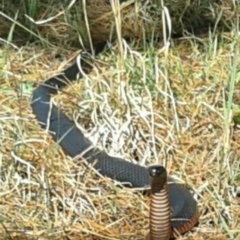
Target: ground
<point x="173" y="103"/>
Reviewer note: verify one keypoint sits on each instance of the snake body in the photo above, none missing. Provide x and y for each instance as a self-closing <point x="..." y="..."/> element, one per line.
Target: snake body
<point x="74" y="143"/>
<point x="160" y="210"/>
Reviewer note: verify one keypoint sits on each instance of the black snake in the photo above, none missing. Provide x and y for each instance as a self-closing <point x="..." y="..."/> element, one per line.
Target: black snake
<point x="184" y="208"/>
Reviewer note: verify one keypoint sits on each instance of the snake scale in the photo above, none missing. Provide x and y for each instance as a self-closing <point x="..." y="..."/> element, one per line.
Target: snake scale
<point x="184" y="211"/>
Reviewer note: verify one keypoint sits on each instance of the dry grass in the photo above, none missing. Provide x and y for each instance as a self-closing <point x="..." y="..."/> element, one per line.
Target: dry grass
<point x="65" y="22"/>
<point x="177" y="106"/>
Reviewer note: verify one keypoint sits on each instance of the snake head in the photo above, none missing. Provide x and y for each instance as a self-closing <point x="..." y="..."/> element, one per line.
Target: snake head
<point x="158" y="177"/>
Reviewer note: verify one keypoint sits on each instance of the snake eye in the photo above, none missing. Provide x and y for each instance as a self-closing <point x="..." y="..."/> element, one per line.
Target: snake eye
<point x="157" y="171"/>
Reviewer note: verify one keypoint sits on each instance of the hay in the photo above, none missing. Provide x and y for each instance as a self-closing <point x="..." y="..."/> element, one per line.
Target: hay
<point x="62" y="199"/>
<point x="61" y="24"/>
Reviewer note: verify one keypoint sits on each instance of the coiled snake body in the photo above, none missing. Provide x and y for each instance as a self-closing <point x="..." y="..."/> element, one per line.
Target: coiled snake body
<point x="184" y="208"/>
